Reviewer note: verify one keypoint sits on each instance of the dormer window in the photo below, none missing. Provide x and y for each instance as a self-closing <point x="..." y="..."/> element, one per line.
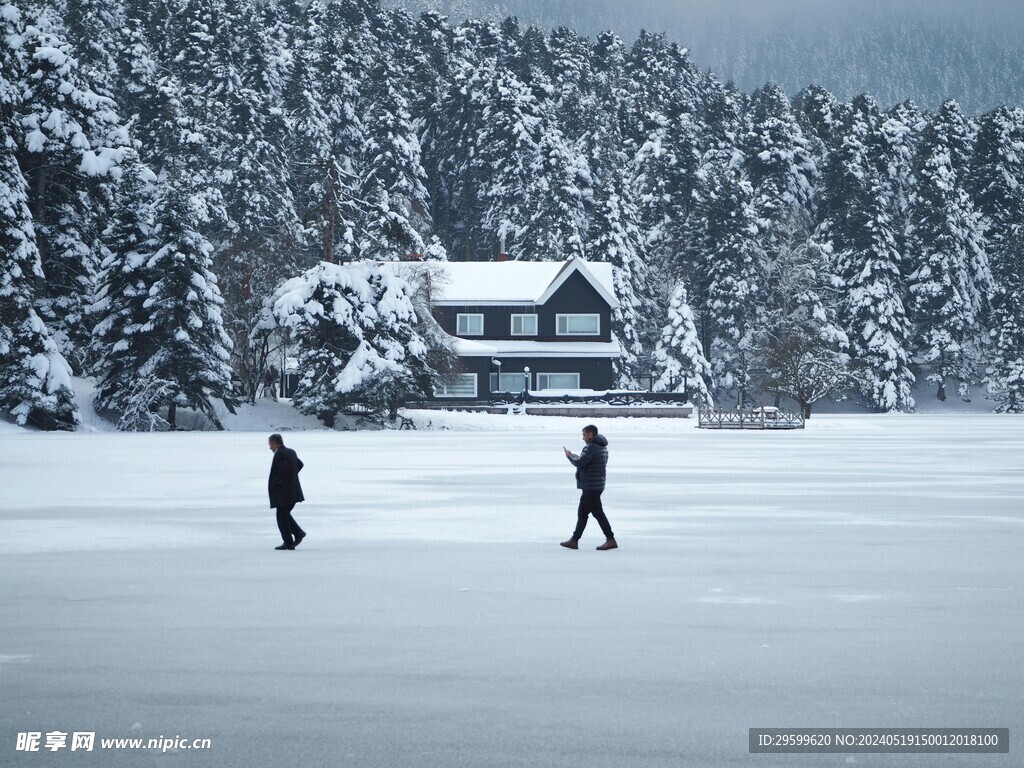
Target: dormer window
<point x="578" y="325"/>
<point x="469" y="325"/>
<point x="524" y="325"/>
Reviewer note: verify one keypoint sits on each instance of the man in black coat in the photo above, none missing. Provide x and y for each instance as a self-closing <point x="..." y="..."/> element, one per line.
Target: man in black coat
<point x="285" y="491"/>
<point x="591" y="470"/>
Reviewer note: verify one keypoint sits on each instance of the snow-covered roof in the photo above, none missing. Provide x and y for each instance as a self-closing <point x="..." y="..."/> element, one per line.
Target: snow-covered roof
<point x="516" y="348"/>
<point x="509" y="282"/>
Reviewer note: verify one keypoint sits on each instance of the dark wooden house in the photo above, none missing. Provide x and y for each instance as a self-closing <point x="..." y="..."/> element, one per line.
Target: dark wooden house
<point x="537" y="326"/>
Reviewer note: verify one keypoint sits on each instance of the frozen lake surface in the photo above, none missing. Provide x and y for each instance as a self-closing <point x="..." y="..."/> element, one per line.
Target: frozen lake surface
<point x="864" y="572"/>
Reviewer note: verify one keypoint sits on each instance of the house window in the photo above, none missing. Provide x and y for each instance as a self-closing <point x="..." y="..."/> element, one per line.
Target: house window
<point x="558" y="381"/>
<point x="470" y="325"/>
<point x="524" y="325"/>
<point x="509" y="382"/>
<point x="578" y="325"/>
<point x="464" y="385"/>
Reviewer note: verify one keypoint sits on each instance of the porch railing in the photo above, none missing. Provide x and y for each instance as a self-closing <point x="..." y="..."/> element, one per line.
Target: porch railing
<point x="758" y="418"/>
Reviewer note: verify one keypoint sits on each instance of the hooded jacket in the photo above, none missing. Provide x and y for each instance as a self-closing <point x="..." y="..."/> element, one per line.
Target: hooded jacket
<point x="591" y="465"/>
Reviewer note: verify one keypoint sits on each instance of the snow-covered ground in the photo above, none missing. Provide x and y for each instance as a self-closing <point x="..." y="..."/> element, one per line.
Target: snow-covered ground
<point x="866" y="571"/>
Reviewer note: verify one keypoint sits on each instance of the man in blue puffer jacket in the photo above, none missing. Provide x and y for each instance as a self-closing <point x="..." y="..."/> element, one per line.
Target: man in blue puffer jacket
<point x="591" y="469"/>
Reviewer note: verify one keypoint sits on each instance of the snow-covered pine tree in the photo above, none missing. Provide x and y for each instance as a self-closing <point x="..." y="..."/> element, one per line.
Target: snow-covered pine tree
<point x="554" y="200"/>
<point x="610" y="94"/>
<point x="574" y="110"/>
<point x="614" y="233"/>
<point x="276" y="20"/>
<point x="431" y="41"/>
<point x="523" y="52"/>
<point x="139" y="74"/>
<point x="357" y="344"/>
<point x="122" y="339"/>
<point x="898" y="135"/>
<point x="680" y="360"/>
<point x="662" y="83"/>
<point x="735" y="280"/>
<point x="721" y="124"/>
<point x="782" y="172"/>
<point x="959" y="131"/>
<point x="73" y="138"/>
<point x="1006" y="375"/>
<point x="98" y="33"/>
<point x="396" y="218"/>
<point x="254" y="112"/>
<point x="323" y="105"/>
<point x="257" y="245"/>
<point x="188" y="46"/>
<point x="615" y="238"/>
<point x="996" y="172"/>
<point x="822" y="119"/>
<point x="996" y="183"/>
<point x="457" y="145"/>
<point x="560" y="187"/>
<point x="664" y="173"/>
<point x="724" y="119"/>
<point x="857" y="233"/>
<point x="665" y="176"/>
<point x="183" y="344"/>
<point x="951" y="281"/>
<point x="35" y="379"/>
<point x="661" y="137"/>
<point x="95" y="29"/>
<point x="508" y="143"/>
<point x="778" y="162"/>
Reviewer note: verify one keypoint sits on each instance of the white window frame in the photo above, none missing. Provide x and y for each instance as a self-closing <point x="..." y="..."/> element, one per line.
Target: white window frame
<point x="467" y="315"/>
<point x="512" y="325"/>
<point x="541" y="377"/>
<point x="441" y="390"/>
<point x="567" y="332"/>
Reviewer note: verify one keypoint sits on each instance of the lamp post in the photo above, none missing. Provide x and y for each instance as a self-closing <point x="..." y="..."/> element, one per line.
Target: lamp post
<point x="496" y="367"/>
<point x="526" y="378"/>
<point x="283" y="383"/>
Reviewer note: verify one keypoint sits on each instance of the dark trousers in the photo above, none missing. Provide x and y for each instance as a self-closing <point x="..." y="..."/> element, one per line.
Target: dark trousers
<point x="590" y="504"/>
<point x="287" y="526"/>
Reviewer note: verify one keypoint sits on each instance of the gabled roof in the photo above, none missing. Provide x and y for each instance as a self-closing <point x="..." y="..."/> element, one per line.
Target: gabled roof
<point x="590" y="273"/>
<point x="510" y="282"/>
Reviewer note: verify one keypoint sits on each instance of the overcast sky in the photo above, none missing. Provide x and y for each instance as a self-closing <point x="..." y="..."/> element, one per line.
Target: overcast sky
<point x="669" y="13"/>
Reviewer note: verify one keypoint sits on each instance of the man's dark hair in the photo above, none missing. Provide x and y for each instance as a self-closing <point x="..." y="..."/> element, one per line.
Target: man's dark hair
<point x="276" y="438"/>
<point x="590" y="429"/>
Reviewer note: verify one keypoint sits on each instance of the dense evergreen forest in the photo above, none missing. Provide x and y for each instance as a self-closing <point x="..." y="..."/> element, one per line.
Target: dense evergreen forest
<point x="925" y="50"/>
<point x="174" y="173"/>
